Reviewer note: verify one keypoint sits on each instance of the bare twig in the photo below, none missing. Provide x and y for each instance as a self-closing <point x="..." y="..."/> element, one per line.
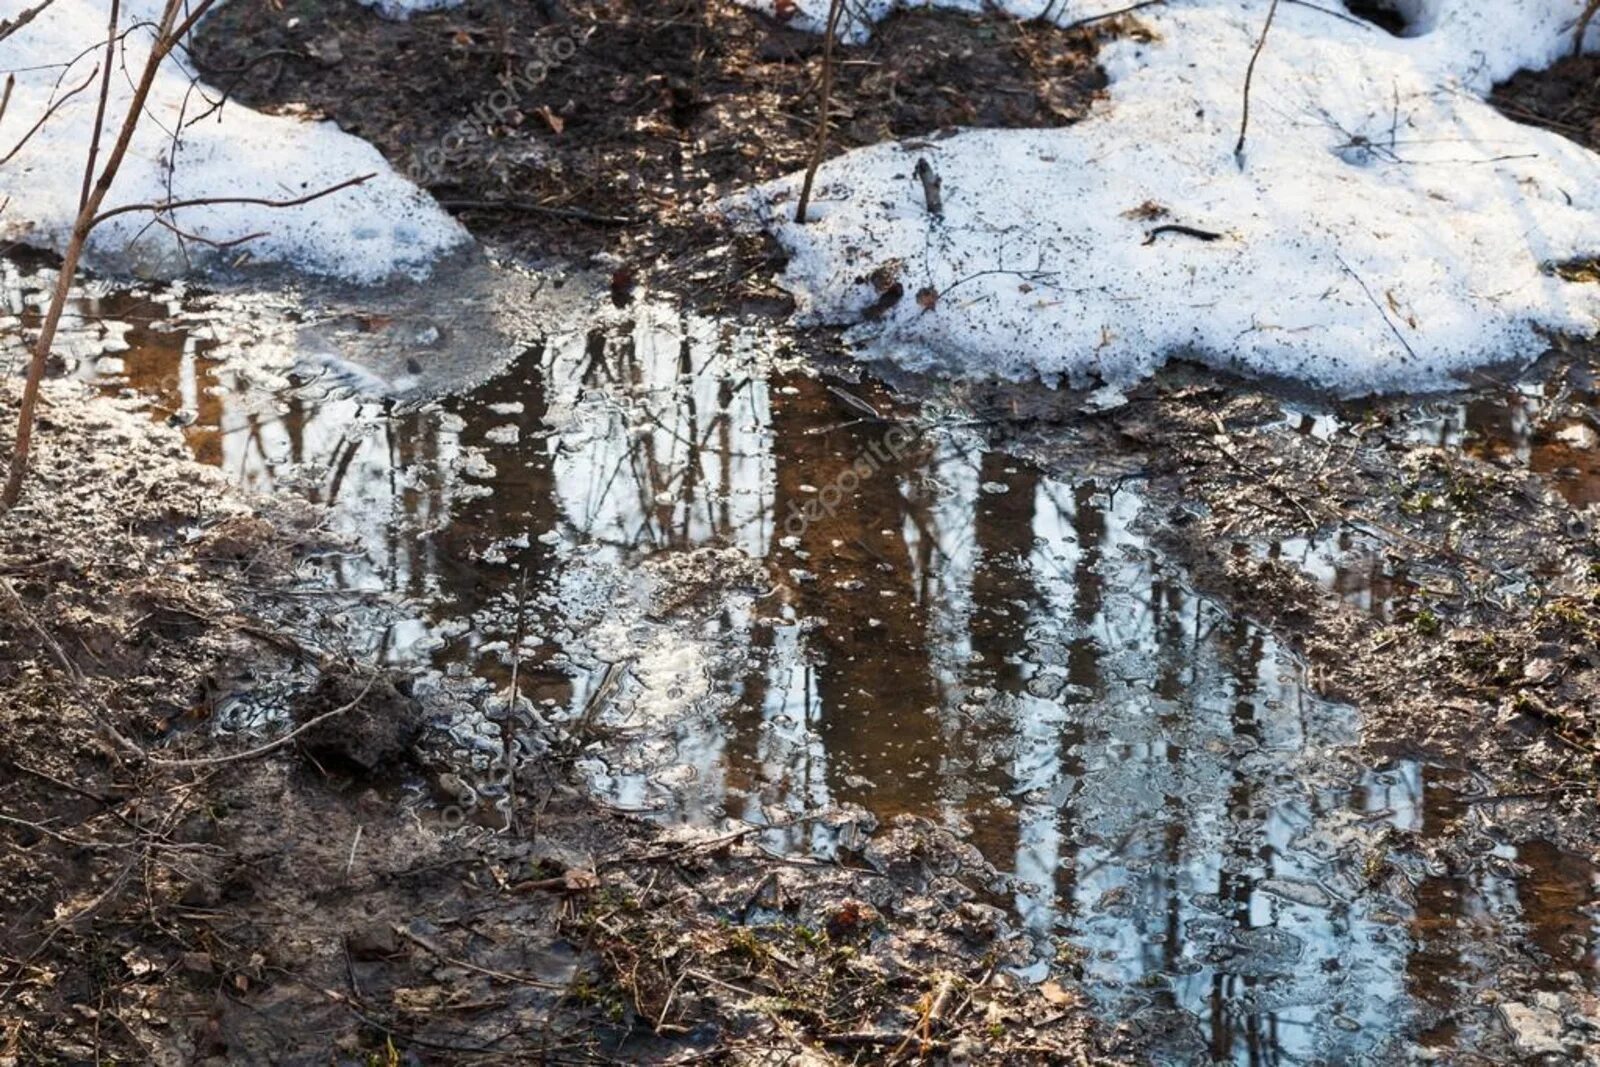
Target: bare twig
<point x="1387" y="321"/>
<point x="74" y="675"/>
<point x="1103" y="16"/>
<point x="1249" y="76"/>
<point x="574" y="213"/>
<point x="165" y="40"/>
<point x="11" y="26"/>
<point x="1589" y="11"/>
<point x="51" y="110"/>
<point x="164" y="206"/>
<point x="100" y="105"/>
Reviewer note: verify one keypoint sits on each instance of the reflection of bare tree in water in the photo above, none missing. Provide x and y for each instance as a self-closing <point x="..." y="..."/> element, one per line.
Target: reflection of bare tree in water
<point x="669" y="447"/>
<point x="1004" y="597"/>
<point x="873" y="676"/>
<point x="1087" y="519"/>
<point x="1174" y="678"/>
<point x="1244" y="649"/>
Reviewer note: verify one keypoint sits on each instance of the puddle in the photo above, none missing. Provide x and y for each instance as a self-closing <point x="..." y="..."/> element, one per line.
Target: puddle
<point x="1511" y="429"/>
<point x="762" y="594"/>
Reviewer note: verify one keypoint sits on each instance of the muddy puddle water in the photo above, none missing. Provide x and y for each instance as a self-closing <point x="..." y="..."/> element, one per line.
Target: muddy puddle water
<point x="762" y="595"/>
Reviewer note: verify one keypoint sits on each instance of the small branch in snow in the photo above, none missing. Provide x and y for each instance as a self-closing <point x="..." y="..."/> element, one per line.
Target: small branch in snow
<point x="820" y="145"/>
<point x="1249" y="76"/>
<point x="164" y="206"/>
<point x="100" y="106"/>
<point x="1090" y="20"/>
<point x="68" y="95"/>
<point x="1186" y="231"/>
<point x="1130" y="9"/>
<point x="932" y="187"/>
<point x="1029" y="276"/>
<point x="1387" y="321"/>
<point x="11" y="26"/>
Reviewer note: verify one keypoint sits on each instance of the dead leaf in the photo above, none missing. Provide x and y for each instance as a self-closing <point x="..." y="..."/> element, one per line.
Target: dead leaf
<point x="1146" y="211"/>
<point x="580" y="881"/>
<point x="927" y="298"/>
<point x="556" y="123"/>
<point x="1056" y="994"/>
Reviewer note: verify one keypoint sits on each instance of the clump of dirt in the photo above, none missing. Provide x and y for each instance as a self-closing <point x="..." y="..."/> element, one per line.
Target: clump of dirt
<point x="366" y="721"/>
<point x="659" y="109"/>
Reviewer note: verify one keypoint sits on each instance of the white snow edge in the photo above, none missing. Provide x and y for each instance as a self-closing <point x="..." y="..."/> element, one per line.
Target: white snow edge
<point x="384" y="227"/>
<point x="1388" y="229"/>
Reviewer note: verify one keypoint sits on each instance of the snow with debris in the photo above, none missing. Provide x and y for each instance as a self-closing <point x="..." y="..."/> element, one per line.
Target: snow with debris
<point x="364" y="234"/>
<point x="1384" y="228"/>
<point x="400" y="10"/>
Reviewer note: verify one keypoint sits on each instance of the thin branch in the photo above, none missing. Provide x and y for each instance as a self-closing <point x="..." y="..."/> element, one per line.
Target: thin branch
<point x="1387" y="321"/>
<point x="270" y="746"/>
<point x="820" y="144"/>
<point x="165" y="206"/>
<point x="51" y="110"/>
<point x="1130" y="9"/>
<point x="100" y="107"/>
<point x="159" y="50"/>
<point x="1249" y="76"/>
<point x="574" y="213"/>
<point x="8" y="28"/>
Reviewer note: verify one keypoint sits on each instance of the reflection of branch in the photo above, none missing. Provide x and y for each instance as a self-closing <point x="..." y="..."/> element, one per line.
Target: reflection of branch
<point x="164" y="206"/>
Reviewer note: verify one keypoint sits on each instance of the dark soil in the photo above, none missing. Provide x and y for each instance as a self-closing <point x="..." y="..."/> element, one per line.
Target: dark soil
<point x="1565" y="98"/>
<point x="665" y="107"/>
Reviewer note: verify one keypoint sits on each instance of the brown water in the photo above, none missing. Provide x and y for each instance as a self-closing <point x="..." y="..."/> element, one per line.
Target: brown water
<point x="767" y="594"/>
<point x="1505" y="428"/>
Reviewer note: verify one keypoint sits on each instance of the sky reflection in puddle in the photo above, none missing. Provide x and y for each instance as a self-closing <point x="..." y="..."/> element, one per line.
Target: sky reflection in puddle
<point x="771" y="600"/>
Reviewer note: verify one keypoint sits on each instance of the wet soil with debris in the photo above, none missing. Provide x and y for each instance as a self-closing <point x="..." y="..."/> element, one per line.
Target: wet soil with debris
<point x="293" y="908"/>
<point x="1245" y="725"/>
<point x="655" y="116"/>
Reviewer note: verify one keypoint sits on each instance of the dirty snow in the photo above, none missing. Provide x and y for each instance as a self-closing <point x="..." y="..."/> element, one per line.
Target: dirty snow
<point x="400" y="10"/>
<point x="1385" y="229"/>
<point x="362" y="234"/>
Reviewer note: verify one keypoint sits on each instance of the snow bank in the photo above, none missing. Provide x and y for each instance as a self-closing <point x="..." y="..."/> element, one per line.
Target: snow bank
<point x="1387" y="229"/>
<point x="362" y="234"/>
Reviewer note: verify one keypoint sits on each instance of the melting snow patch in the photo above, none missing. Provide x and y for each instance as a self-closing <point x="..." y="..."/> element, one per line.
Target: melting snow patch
<point x="362" y="234"/>
<point x="1384" y="228"/>
<point x="400" y="10"/>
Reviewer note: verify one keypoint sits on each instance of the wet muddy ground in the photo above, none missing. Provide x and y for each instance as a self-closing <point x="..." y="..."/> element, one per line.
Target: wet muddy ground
<point x="1264" y="724"/>
<point x="850" y="715"/>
